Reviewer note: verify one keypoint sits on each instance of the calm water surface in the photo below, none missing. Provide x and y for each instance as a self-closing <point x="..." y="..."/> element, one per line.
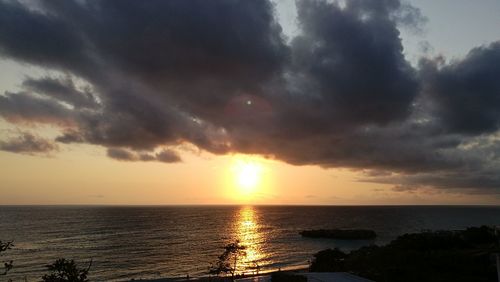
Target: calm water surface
<point x="149" y="242"/>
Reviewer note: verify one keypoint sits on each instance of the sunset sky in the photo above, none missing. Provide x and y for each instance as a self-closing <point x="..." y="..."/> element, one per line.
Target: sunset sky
<point x="250" y="102"/>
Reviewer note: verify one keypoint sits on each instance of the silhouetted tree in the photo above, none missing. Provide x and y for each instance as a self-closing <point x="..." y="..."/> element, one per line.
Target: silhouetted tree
<point x="9" y="264"/>
<point x="63" y="270"/>
<point x="328" y="261"/>
<point x="228" y="260"/>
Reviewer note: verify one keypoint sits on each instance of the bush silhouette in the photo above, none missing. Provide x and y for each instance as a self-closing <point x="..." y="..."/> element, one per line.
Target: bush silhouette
<point x="63" y="270"/>
<point x="227" y="262"/>
<point x="428" y="256"/>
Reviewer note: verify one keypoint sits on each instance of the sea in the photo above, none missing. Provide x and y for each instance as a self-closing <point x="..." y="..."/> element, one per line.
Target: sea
<point x="136" y="242"/>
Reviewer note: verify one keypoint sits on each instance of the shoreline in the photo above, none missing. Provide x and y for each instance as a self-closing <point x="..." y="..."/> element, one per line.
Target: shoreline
<point x="292" y="268"/>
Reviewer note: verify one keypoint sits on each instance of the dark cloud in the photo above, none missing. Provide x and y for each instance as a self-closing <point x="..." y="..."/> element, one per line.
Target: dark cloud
<point x="70" y="136"/>
<point x="24" y="107"/>
<point x="28" y="35"/>
<point x="168" y="156"/>
<point x="206" y="51"/>
<point x="165" y="156"/>
<point x="352" y="61"/>
<point x="27" y="143"/>
<point x="464" y="180"/>
<point x="121" y="154"/>
<point x="62" y="90"/>
<point x="140" y="76"/>
<point x="472" y="167"/>
<point x="465" y="94"/>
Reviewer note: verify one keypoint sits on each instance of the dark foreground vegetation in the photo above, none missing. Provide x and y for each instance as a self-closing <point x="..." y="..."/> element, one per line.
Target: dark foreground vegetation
<point x="227" y="262"/>
<point x="428" y="256"/>
<point x="345" y="234"/>
<point x="61" y="270"/>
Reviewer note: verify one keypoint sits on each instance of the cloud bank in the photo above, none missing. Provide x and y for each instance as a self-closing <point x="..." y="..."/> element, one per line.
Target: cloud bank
<point x="27" y="143"/>
<point x="220" y="75"/>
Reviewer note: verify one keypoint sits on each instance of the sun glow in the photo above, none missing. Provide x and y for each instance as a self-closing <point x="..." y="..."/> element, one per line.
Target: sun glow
<point x="247" y="176"/>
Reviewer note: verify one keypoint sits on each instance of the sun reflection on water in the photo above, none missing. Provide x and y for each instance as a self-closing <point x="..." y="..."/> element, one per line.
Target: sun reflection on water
<point x="247" y="232"/>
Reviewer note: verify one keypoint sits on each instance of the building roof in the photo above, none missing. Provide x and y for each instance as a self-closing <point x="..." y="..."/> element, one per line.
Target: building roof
<point x="314" y="277"/>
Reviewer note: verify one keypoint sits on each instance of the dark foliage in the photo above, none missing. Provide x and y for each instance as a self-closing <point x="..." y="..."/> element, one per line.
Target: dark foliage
<point x="427" y="256"/>
<point x="227" y="262"/>
<point x="63" y="270"/>
<point x="328" y="260"/>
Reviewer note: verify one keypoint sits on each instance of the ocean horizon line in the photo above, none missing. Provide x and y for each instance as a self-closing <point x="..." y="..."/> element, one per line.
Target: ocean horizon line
<point x="253" y="205"/>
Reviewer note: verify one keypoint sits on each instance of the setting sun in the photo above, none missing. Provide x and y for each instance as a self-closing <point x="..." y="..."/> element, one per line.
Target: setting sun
<point x="264" y="140"/>
<point x="247" y="176"/>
